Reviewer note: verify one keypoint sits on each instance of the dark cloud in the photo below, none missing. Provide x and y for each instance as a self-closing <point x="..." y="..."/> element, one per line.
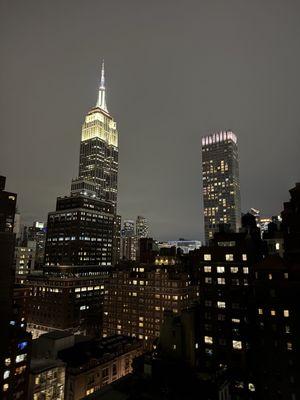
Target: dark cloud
<point x="176" y="70"/>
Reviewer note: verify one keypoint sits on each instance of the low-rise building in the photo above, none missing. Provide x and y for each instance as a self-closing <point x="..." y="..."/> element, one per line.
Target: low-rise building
<point x="96" y="363"/>
<point x="46" y="380"/>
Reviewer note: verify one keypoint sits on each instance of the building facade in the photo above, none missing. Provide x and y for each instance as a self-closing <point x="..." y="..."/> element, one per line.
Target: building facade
<point x="142" y="227"/>
<point x="221" y="186"/>
<point x="66" y="298"/>
<point x="138" y="295"/>
<point x="46" y="380"/>
<point x="84" y="229"/>
<point x="93" y="364"/>
<point x="80" y="232"/>
<point x="98" y="161"/>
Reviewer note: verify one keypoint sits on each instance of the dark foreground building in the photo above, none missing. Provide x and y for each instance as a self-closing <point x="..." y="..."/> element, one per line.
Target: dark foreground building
<point x="80" y="232"/>
<point x="67" y="298"/>
<point x="15" y="342"/>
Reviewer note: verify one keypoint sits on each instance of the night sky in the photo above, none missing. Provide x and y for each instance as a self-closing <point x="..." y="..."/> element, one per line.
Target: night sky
<point x="175" y="71"/>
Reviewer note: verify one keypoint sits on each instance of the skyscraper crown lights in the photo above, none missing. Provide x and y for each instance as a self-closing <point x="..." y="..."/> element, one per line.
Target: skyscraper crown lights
<point x="219" y="137"/>
<point x="101" y="101"/>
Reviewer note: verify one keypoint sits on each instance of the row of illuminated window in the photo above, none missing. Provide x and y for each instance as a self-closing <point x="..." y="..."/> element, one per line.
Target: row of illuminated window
<point x="222" y="281"/>
<point x="236" y="344"/>
<point x="228" y="257"/>
<point x="273" y="313"/>
<point x="221" y="269"/>
<point x="84" y="289"/>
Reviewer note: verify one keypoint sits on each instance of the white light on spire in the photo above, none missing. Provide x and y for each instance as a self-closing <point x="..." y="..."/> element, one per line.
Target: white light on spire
<point x="101" y="102"/>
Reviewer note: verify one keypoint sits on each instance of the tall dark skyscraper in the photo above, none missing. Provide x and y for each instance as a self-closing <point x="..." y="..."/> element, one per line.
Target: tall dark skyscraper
<point x="83" y="229"/>
<point x="221" y="185"/>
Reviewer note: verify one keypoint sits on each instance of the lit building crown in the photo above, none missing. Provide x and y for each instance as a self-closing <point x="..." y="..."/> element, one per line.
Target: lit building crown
<point x="219" y="137"/>
<point x="101" y="102"/>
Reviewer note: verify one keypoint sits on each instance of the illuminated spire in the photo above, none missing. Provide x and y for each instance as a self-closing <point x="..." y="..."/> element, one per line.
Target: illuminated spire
<point x="101" y="102"/>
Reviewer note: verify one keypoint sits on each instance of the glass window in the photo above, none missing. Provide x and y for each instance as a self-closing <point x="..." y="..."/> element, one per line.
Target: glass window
<point x="229" y="257"/>
<point x="237" y="344"/>
<point x="207" y="257"/>
<point x="208" y="339"/>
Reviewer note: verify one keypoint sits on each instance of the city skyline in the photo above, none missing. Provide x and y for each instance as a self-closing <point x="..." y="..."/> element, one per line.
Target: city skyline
<point x="257" y="100"/>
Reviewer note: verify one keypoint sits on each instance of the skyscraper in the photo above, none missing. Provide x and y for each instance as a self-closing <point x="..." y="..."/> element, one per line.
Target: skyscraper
<point x="98" y="162"/>
<point x="83" y="229"/>
<point x="142" y="227"/>
<point x="221" y="186"/>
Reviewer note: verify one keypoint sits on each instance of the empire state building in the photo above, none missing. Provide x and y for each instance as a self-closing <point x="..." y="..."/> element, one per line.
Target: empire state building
<point x="98" y="163"/>
<point x="84" y="229"/>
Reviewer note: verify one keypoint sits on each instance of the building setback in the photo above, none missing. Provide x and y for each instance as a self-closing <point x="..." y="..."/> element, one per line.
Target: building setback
<point x="221" y="186"/>
<point x="84" y="229"/>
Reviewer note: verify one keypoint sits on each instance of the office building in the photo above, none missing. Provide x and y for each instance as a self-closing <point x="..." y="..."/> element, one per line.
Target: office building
<point x="224" y="329"/>
<point x="66" y="298"/>
<point x="80" y="232"/>
<point x="142" y="227"/>
<point x="137" y="296"/>
<point x="221" y="186"/>
<point x="129" y="241"/>
<point x="99" y="149"/>
<point x="24" y="260"/>
<point x="84" y="228"/>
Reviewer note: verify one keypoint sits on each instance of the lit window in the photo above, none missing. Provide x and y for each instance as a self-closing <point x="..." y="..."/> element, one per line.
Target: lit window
<point x="207" y="257"/>
<point x="196" y="345"/>
<point x="207" y="269"/>
<point x="289" y="346"/>
<point x="221" y="304"/>
<point x="286" y="313"/>
<point x="246" y="270"/>
<point x="221" y="281"/>
<point x="251" y="387"/>
<point x="220" y="270"/>
<point x="234" y="270"/>
<point x="7" y="361"/>
<point x="208" y="339"/>
<point x="229" y="257"/>
<point x="277" y="246"/>
<point x="174" y="346"/>
<point x="5" y="387"/>
<point x="260" y="311"/>
<point x="273" y="313"/>
<point x="270" y="276"/>
<point x="236" y="320"/>
<point x="208" y="280"/>
<point x="20" y="358"/>
<point x="244" y="257"/>
<point x="237" y="344"/>
<point x="6" y="374"/>
<point x="286" y="275"/>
